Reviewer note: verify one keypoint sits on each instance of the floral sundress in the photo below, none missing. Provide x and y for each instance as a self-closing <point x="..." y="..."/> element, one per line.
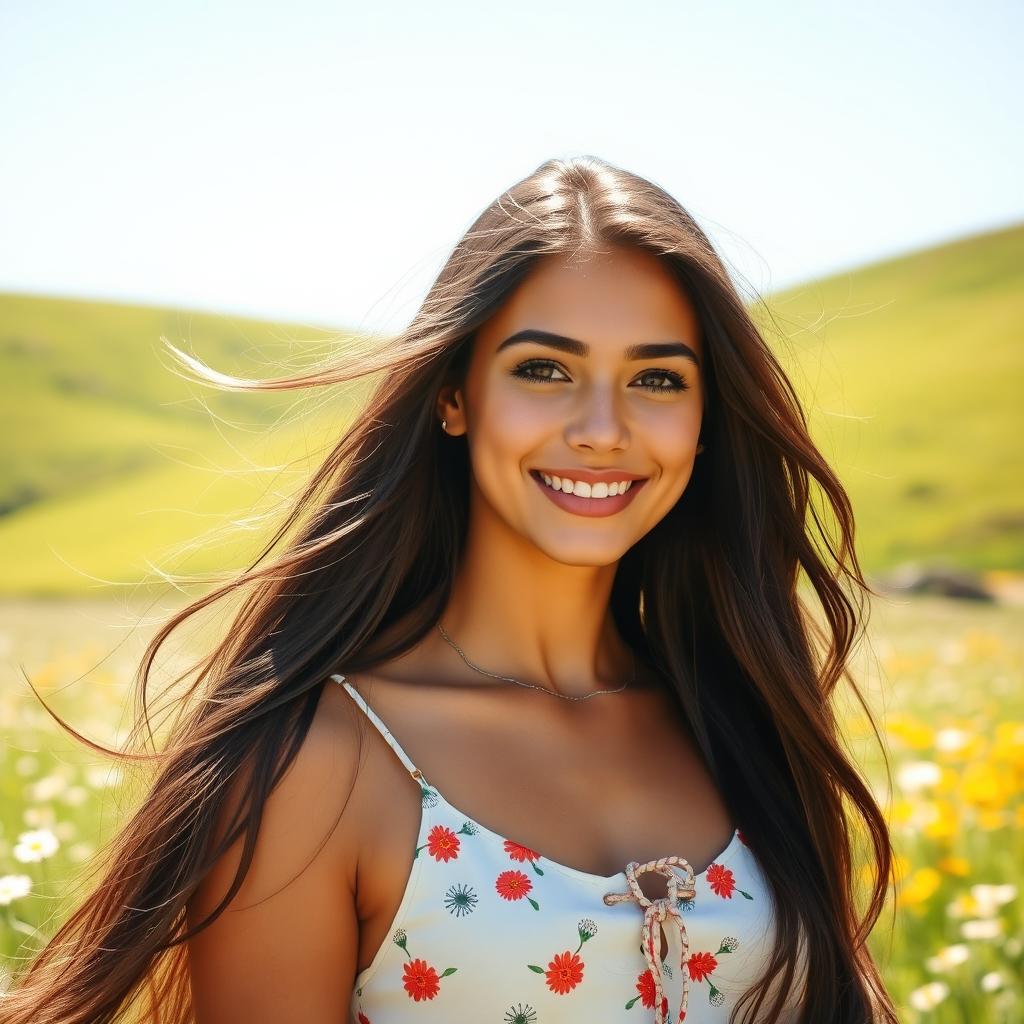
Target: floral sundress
<point x="489" y="930"/>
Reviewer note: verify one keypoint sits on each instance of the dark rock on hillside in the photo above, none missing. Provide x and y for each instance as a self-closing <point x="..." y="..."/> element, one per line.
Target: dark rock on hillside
<point x="943" y="581"/>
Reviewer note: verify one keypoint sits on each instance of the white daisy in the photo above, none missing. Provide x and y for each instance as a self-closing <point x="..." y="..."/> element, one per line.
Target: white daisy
<point x="991" y="982"/>
<point x="927" y="997"/>
<point x="35" y="845"/>
<point x="948" y="957"/>
<point x="990" y="897"/>
<point x="13" y="887"/>
<point x="914" y="775"/>
<point x="983" y="928"/>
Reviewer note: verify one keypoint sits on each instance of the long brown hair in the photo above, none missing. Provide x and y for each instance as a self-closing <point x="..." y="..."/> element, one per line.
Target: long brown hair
<point x="709" y="597"/>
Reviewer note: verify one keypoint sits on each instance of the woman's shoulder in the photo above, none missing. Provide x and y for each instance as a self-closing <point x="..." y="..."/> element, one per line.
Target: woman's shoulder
<point x="326" y="779"/>
<point x="308" y="800"/>
<point x="293" y="923"/>
<point x="346" y="767"/>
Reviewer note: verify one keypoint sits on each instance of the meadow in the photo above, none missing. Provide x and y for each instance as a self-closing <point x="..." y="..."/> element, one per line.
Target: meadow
<point x="116" y="471"/>
<point x="943" y="680"/>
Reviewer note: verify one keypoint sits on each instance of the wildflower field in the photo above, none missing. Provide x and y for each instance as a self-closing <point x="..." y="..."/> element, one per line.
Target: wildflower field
<point x="943" y="678"/>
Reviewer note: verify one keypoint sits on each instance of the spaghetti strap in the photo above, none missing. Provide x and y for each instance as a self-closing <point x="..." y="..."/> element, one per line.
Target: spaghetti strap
<point x="383" y="730"/>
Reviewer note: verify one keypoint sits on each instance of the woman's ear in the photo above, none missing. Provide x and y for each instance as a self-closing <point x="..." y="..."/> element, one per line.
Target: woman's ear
<point x="451" y="409"/>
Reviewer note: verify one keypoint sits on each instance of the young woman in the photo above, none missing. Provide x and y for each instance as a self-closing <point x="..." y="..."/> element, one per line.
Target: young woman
<point x="523" y="716"/>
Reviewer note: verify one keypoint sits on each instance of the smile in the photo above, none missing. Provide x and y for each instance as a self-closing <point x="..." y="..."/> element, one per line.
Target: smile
<point x="589" y="505"/>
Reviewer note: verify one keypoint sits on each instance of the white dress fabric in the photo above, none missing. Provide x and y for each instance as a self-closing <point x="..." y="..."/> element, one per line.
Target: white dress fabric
<point x="489" y="930"/>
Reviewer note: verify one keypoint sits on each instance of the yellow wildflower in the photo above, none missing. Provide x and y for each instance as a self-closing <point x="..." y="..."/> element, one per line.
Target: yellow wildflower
<point x="919" y="888"/>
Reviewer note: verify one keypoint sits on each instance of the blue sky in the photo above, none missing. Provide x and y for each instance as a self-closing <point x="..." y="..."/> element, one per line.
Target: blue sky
<point x="318" y="161"/>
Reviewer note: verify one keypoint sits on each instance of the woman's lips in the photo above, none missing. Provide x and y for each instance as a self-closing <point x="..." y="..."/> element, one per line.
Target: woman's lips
<point x="588" y="506"/>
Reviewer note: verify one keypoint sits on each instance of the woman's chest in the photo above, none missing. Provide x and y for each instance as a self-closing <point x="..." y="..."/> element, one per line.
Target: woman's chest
<point x="594" y="802"/>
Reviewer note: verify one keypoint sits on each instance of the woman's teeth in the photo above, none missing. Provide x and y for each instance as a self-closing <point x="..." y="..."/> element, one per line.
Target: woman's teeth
<point x="584" y="490"/>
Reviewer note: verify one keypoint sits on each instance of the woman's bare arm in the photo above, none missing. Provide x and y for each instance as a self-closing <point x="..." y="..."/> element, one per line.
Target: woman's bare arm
<point x="286" y="947"/>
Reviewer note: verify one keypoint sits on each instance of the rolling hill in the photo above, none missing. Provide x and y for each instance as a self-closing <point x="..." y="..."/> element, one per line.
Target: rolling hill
<point x="911" y="371"/>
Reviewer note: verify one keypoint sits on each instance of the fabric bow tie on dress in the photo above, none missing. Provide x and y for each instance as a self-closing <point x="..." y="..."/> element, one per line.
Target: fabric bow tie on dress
<point x="656" y="912"/>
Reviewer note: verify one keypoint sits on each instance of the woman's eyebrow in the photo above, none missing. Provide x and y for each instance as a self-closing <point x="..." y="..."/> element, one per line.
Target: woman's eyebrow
<point x="646" y="350"/>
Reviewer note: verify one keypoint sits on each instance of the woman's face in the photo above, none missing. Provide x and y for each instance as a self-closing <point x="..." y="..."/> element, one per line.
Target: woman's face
<point x="578" y="403"/>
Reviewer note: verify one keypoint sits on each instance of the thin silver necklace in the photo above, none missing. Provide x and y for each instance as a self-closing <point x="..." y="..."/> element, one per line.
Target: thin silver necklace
<point x="555" y="693"/>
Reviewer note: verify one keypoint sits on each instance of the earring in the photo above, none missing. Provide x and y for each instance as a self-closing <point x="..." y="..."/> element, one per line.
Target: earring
<point x="444" y="425"/>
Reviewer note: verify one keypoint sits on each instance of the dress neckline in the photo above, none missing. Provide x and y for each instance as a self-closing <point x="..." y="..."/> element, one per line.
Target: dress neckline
<point x="723" y="856"/>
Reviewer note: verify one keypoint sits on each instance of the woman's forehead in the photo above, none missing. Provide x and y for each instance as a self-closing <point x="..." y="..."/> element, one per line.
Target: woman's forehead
<point x="616" y="297"/>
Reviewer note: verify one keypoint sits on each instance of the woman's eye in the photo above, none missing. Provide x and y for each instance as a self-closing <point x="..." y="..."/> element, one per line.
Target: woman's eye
<point x="525" y="371"/>
<point x="676" y="382"/>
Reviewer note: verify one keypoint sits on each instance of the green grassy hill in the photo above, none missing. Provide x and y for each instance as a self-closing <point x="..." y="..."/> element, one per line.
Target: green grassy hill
<point x="91" y="394"/>
<point x="112" y="461"/>
<point x="909" y="369"/>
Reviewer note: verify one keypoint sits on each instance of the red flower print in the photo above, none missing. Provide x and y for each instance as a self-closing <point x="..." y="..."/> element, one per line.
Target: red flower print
<point x="565" y="972"/>
<point x="443" y="843"/>
<point x="721" y="881"/>
<point x="513" y="885"/>
<point x="645" y="986"/>
<point x="524" y="854"/>
<point x="420" y="980"/>
<point x="363" y="1019"/>
<point x="701" y="965"/>
<point x="519" y="852"/>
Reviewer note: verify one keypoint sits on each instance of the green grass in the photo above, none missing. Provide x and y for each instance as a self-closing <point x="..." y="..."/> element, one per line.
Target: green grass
<point x="909" y="370"/>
